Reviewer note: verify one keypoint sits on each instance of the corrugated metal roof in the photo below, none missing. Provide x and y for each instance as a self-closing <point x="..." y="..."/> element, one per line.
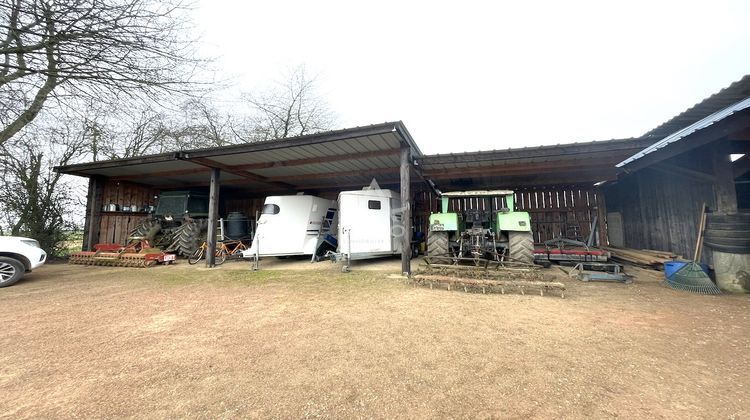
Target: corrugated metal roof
<point x="350" y="156"/>
<point x="572" y="163"/>
<point x="726" y="97"/>
<point x="690" y="129"/>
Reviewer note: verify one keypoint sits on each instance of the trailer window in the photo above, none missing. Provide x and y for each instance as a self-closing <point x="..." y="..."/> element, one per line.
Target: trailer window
<point x="373" y="204"/>
<point x="270" y="209"/>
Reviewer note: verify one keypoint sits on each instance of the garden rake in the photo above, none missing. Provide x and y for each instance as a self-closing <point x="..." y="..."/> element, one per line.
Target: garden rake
<point x="691" y="277"/>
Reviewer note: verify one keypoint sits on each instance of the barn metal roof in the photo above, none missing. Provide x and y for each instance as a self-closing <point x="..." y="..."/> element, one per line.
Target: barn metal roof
<point x="573" y="163"/>
<point x="726" y="97"/>
<point x="723" y="104"/>
<point x="342" y="158"/>
<point x="690" y="129"/>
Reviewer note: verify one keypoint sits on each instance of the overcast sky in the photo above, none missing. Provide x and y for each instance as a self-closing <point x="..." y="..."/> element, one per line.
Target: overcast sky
<point x="489" y="75"/>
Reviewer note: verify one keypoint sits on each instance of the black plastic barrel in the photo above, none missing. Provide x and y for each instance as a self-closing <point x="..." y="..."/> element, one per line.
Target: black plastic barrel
<point x="237" y="225"/>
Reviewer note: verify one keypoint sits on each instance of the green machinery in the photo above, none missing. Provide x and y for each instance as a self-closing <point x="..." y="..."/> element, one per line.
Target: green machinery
<point x="480" y="229"/>
<point x="179" y="223"/>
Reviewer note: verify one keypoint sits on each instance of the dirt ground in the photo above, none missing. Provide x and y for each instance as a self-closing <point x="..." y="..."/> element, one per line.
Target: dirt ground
<point x="300" y="340"/>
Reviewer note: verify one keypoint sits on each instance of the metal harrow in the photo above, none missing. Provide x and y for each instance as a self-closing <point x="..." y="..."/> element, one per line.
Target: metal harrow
<point x="137" y="254"/>
<point x="486" y="278"/>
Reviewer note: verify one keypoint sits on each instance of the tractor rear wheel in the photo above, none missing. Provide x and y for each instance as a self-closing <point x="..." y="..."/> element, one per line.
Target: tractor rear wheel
<point x="192" y="234"/>
<point x="521" y="246"/>
<point x="144" y="228"/>
<point x="437" y="246"/>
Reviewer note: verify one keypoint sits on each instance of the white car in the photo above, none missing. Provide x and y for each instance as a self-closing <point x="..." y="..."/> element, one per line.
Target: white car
<point x="18" y="256"/>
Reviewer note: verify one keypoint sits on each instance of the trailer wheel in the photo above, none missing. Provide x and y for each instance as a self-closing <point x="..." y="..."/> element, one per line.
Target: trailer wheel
<point x="437" y="246"/>
<point x="521" y="246"/>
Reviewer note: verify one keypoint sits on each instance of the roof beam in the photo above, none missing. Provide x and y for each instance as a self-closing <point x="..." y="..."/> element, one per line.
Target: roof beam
<point x="625" y="147"/>
<point x="263" y="165"/>
<point x="324" y="175"/>
<point x="322" y="159"/>
<point x="160" y="174"/>
<point x="209" y="163"/>
<point x="520" y="169"/>
<point x="670" y="169"/>
<point x="326" y="186"/>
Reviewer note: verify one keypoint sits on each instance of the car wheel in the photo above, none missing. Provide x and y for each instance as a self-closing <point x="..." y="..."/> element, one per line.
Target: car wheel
<point x="11" y="271"/>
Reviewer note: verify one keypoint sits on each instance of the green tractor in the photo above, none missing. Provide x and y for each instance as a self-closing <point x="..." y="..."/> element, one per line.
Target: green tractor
<point x="484" y="231"/>
<point x="179" y="224"/>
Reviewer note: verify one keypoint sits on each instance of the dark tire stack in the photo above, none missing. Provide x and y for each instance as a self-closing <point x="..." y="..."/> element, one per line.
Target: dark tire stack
<point x="521" y="246"/>
<point x="728" y="233"/>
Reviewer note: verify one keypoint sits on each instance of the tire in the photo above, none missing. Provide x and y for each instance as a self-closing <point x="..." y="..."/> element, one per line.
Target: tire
<point x="521" y="246"/>
<point x="191" y="235"/>
<point x="148" y="228"/>
<point x="221" y="256"/>
<point x="196" y="256"/>
<point x="741" y="241"/>
<point x="731" y="249"/>
<point x="437" y="244"/>
<point x="11" y="270"/>
<point x="727" y="226"/>
<point x="727" y="233"/>
<point x="728" y="218"/>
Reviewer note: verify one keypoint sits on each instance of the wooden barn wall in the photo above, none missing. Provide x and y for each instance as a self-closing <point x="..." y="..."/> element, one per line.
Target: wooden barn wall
<point x="563" y="210"/>
<point x="114" y="227"/>
<point x="660" y="211"/>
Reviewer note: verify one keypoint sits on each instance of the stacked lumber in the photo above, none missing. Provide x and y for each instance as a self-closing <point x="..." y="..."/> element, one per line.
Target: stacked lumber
<point x="642" y="257"/>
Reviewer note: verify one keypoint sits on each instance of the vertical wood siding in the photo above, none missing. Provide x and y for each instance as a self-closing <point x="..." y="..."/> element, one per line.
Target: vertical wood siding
<point x="554" y="210"/>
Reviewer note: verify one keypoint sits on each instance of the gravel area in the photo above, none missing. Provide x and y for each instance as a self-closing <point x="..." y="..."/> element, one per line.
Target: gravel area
<point x="310" y="341"/>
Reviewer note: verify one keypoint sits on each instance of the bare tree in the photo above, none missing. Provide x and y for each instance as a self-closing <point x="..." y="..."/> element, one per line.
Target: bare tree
<point x="291" y="108"/>
<point x="34" y="200"/>
<point x="118" y="134"/>
<point x="96" y="49"/>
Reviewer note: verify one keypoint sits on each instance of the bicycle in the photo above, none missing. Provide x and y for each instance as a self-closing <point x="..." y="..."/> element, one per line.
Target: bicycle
<point x="224" y="249"/>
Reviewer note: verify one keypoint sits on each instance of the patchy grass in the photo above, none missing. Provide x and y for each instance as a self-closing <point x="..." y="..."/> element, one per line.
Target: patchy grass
<point x="184" y="341"/>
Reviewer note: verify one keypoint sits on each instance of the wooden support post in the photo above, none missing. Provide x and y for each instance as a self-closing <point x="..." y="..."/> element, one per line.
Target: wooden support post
<point x="601" y="207"/>
<point x="724" y="189"/>
<point x="93" y="213"/>
<point x="406" y="210"/>
<point x="213" y="217"/>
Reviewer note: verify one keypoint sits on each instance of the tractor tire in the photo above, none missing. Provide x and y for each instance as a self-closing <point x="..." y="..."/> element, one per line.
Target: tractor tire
<point x="191" y="235"/>
<point x="437" y="246"/>
<point x="521" y="246"/>
<point x="143" y="228"/>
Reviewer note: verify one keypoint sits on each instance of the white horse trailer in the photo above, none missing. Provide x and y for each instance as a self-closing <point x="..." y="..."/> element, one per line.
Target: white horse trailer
<point x="370" y="224"/>
<point x="294" y="225"/>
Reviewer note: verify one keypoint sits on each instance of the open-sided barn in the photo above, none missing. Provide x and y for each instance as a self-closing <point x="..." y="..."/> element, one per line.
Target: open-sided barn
<point x="647" y="190"/>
